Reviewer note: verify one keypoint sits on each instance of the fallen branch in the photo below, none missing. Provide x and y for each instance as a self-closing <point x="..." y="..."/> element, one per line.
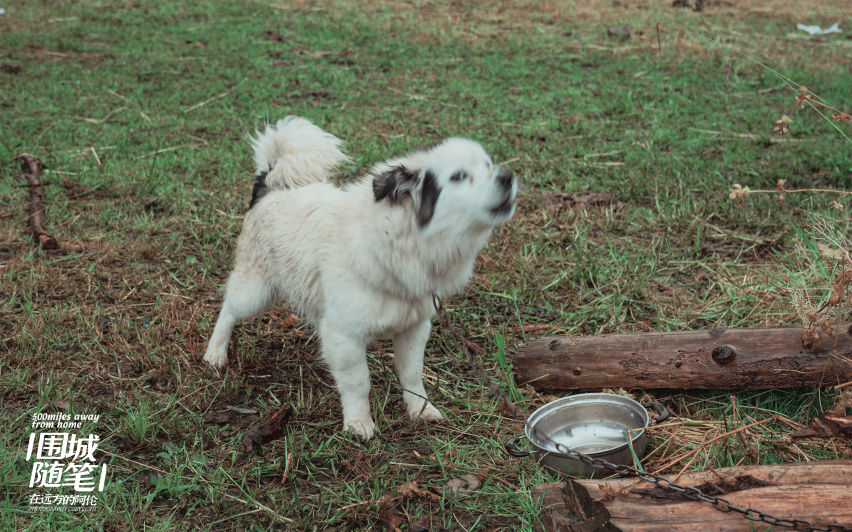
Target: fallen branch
<point x="36" y="208"/>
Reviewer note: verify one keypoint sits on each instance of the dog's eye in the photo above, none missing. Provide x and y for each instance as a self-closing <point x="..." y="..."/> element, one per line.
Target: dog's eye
<point x="458" y="176"/>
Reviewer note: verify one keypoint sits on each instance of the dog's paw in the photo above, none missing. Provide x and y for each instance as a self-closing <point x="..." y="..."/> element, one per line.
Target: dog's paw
<point x="363" y="428"/>
<point x="217" y="359"/>
<point x="429" y="413"/>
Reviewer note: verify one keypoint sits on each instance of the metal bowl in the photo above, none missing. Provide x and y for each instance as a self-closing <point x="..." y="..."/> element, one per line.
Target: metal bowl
<point x="594" y="424"/>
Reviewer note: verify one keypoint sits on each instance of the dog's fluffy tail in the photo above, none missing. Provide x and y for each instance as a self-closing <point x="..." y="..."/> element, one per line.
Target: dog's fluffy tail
<point x="293" y="153"/>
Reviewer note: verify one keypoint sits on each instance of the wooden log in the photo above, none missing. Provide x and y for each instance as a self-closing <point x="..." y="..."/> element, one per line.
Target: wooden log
<point x="723" y="359"/>
<point x="816" y="491"/>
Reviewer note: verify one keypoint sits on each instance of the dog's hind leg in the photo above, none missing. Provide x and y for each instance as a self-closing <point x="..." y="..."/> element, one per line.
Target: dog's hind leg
<point x="247" y="296"/>
<point x="346" y="357"/>
<point x="408" y="347"/>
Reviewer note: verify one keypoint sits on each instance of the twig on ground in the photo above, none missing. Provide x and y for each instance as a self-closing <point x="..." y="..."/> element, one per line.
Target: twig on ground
<point x="36" y="207"/>
<point x="740" y="193"/>
<point x="659" y="41"/>
<point x="272" y="513"/>
<point x="694" y="456"/>
<point x="205" y="102"/>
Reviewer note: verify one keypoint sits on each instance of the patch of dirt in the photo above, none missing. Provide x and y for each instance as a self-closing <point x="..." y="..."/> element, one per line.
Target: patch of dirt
<point x="695" y="5"/>
<point x="41" y="55"/>
<point x="558" y="202"/>
<point x="131" y="368"/>
<point x="360" y="465"/>
<point x="273" y="36"/>
<point x="231" y="418"/>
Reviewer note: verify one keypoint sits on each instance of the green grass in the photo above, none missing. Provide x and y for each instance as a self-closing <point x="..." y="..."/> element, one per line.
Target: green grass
<point x="141" y="112"/>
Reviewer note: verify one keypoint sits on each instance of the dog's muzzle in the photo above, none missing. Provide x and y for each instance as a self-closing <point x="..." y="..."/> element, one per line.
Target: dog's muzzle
<point x="504" y="179"/>
<point x="507" y="186"/>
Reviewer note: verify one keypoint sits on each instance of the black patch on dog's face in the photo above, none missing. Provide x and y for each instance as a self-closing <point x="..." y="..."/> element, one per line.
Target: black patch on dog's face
<point x="260" y="189"/>
<point x="394" y="184"/>
<point x="428" y="198"/>
<point x="399" y="182"/>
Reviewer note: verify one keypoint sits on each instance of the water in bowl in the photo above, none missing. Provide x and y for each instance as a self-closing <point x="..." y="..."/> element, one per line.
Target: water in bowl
<point x="591" y="437"/>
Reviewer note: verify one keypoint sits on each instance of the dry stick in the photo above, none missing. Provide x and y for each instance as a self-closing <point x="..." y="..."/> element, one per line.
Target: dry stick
<point x="790" y="423"/>
<point x="700" y="446"/>
<point x="286" y="468"/>
<point x="261" y="507"/>
<point x="728" y="77"/>
<point x="505" y="483"/>
<point x="807" y="98"/>
<point x="782" y="189"/>
<point x="36" y="208"/>
<point x="357" y="504"/>
<point x="714" y="440"/>
<point x="659" y="42"/>
<point x="727" y="441"/>
<point x="844" y="385"/>
<point x="836" y="355"/>
<point x="847" y="257"/>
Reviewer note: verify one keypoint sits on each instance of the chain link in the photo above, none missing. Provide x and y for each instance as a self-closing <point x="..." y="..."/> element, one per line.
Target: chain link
<point x="690" y="492"/>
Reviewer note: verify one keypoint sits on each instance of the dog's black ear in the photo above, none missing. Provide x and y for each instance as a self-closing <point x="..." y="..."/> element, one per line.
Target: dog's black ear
<point x="428" y="198"/>
<point x="395" y="183"/>
<point x="260" y="189"/>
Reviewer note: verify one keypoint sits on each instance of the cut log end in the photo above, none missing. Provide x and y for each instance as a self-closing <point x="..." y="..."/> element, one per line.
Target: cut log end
<point x="47" y="241"/>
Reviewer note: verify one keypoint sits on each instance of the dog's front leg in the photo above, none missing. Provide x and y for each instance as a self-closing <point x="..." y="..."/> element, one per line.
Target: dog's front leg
<point x="408" y="347"/>
<point x="346" y="356"/>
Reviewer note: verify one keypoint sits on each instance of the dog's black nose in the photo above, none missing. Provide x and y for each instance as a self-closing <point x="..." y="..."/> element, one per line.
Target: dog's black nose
<point x="504" y="178"/>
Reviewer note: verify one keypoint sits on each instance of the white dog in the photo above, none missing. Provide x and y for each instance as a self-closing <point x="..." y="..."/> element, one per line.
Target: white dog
<point x="362" y="261"/>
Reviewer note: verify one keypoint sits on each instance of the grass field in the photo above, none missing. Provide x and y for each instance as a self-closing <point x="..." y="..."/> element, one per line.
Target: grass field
<point x="140" y="110"/>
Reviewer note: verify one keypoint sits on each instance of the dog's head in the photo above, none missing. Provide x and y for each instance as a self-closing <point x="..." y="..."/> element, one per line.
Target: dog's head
<point x="449" y="185"/>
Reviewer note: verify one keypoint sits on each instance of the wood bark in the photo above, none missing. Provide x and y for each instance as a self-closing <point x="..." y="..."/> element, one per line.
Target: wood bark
<point x="268" y="430"/>
<point x="826" y="425"/>
<point x="724" y="359"/>
<point x="40" y="234"/>
<point x="815" y="491"/>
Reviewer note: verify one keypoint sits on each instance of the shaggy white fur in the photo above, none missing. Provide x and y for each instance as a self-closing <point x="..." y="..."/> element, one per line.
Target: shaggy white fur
<point x="365" y="260"/>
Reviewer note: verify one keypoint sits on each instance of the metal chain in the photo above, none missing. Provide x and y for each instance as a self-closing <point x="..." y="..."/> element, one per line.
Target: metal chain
<point x="690" y="492"/>
<point x="693" y="493"/>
